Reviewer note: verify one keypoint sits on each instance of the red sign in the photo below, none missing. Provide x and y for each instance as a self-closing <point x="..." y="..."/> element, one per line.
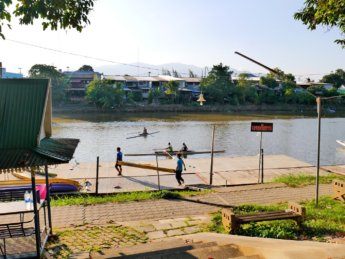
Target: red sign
<point x="261" y="127"/>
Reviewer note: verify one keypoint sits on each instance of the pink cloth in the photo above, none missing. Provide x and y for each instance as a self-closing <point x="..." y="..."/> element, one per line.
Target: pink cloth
<point x="43" y="191"/>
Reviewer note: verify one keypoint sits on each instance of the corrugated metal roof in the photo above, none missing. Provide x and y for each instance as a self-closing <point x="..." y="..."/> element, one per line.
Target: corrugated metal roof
<point x="25" y="126"/>
<point x="50" y="152"/>
<point x="22" y="103"/>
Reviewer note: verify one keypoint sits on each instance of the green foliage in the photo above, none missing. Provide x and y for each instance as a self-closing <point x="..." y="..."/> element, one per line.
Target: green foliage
<point x="302" y="179"/>
<point x="52" y="14"/>
<point x="135" y="96"/>
<point x="58" y="80"/>
<point x="217" y="86"/>
<point x="267" y="96"/>
<point x="172" y="90"/>
<point x="245" y="90"/>
<point x="216" y="224"/>
<point x="337" y="78"/>
<point x="281" y="229"/>
<point x="150" y="96"/>
<point x="86" y="199"/>
<point x="86" y="68"/>
<point x="329" y="13"/>
<point x="104" y="94"/>
<point x="269" y="81"/>
<point x="328" y="219"/>
<point x="164" y="195"/>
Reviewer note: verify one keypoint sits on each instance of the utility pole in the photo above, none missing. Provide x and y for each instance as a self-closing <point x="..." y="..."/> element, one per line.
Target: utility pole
<point x="318" y="102"/>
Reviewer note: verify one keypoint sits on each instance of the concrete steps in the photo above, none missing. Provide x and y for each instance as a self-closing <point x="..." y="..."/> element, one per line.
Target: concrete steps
<point x="176" y="248"/>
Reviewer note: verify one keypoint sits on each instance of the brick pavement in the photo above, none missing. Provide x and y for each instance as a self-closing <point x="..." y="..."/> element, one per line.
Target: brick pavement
<point x="68" y="216"/>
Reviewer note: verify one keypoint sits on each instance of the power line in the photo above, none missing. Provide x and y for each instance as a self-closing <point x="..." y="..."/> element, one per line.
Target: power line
<point x="84" y="56"/>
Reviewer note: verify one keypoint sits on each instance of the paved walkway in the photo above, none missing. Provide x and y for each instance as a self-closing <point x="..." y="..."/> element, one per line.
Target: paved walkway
<point x="68" y="216"/>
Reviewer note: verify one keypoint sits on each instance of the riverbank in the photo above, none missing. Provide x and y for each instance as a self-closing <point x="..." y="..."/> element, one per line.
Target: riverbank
<point x="157" y="108"/>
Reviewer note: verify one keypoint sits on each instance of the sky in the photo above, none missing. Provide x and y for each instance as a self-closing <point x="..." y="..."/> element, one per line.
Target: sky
<point x="196" y="32"/>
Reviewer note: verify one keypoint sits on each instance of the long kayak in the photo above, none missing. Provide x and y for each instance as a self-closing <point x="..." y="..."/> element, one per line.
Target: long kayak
<point x="143" y="135"/>
<point x="175" y="152"/>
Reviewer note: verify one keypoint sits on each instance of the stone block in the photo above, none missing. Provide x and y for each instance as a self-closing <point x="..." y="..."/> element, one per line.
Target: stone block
<point x="156" y="234"/>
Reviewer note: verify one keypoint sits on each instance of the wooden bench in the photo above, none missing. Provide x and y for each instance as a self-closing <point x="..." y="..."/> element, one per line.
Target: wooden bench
<point x="338" y="188"/>
<point x="232" y="222"/>
<point x="13" y="230"/>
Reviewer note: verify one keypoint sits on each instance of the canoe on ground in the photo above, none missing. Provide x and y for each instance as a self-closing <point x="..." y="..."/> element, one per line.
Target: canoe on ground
<point x="147" y="166"/>
<point x="189" y="152"/>
<point x="54" y="187"/>
<point x="63" y="188"/>
<point x="27" y="181"/>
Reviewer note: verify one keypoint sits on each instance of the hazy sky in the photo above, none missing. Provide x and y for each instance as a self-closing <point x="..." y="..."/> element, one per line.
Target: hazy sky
<point x="198" y="32"/>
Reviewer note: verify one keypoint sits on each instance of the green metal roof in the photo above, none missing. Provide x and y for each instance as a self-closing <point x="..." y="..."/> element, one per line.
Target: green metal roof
<point x="25" y="126"/>
<point x="22" y="103"/>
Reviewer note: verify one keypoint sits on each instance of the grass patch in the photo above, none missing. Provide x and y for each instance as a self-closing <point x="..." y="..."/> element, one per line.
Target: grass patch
<point x="86" y="199"/>
<point x="93" y="238"/>
<point x="302" y="179"/>
<point x="322" y="223"/>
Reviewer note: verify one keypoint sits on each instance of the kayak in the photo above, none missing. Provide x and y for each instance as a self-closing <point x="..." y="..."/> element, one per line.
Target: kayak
<point x="143" y="135"/>
<point x="175" y="152"/>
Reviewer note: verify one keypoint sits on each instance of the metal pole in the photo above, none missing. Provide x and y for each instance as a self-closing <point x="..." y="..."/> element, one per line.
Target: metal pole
<point x="318" y="102"/>
<point x="159" y="183"/>
<point x="97" y="172"/>
<point x="36" y="215"/>
<point x="260" y="158"/>
<point x="48" y="202"/>
<point x="212" y="149"/>
<point x="262" y="165"/>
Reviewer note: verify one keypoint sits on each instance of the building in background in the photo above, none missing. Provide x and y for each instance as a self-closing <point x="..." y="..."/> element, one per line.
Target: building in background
<point x="143" y="84"/>
<point x="5" y="74"/>
<point x="78" y="81"/>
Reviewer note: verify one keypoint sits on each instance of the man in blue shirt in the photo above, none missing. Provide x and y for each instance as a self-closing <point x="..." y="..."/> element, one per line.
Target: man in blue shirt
<point x="118" y="159"/>
<point x="179" y="168"/>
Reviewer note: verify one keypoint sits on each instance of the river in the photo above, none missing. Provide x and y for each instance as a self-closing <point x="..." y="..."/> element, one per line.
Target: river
<point x="292" y="136"/>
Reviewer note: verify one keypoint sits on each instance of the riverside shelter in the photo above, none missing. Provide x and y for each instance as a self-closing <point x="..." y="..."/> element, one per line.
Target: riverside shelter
<point x="26" y="145"/>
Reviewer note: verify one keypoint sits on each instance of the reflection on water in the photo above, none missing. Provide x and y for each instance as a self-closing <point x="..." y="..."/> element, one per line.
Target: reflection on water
<point x="292" y="136"/>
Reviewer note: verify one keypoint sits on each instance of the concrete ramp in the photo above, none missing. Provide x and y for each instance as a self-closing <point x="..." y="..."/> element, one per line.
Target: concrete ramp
<point x="177" y="248"/>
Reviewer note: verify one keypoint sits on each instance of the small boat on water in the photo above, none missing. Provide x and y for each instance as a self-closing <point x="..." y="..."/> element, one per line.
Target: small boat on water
<point x="340" y="142"/>
<point x="175" y="152"/>
<point x="143" y="135"/>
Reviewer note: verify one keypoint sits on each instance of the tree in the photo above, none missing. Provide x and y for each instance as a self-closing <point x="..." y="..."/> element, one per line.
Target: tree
<point x="86" y="68"/>
<point x="217" y="85"/>
<point x="175" y="73"/>
<point x="58" y="80"/>
<point x="245" y="90"/>
<point x="191" y="74"/>
<point x="337" y="78"/>
<point x="326" y="12"/>
<point x="172" y="89"/>
<point x="166" y="72"/>
<point x="269" y="81"/>
<point x="55" y="15"/>
<point x="104" y="94"/>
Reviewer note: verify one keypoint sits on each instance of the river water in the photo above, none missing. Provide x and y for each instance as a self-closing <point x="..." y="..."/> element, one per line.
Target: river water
<point x="292" y="136"/>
